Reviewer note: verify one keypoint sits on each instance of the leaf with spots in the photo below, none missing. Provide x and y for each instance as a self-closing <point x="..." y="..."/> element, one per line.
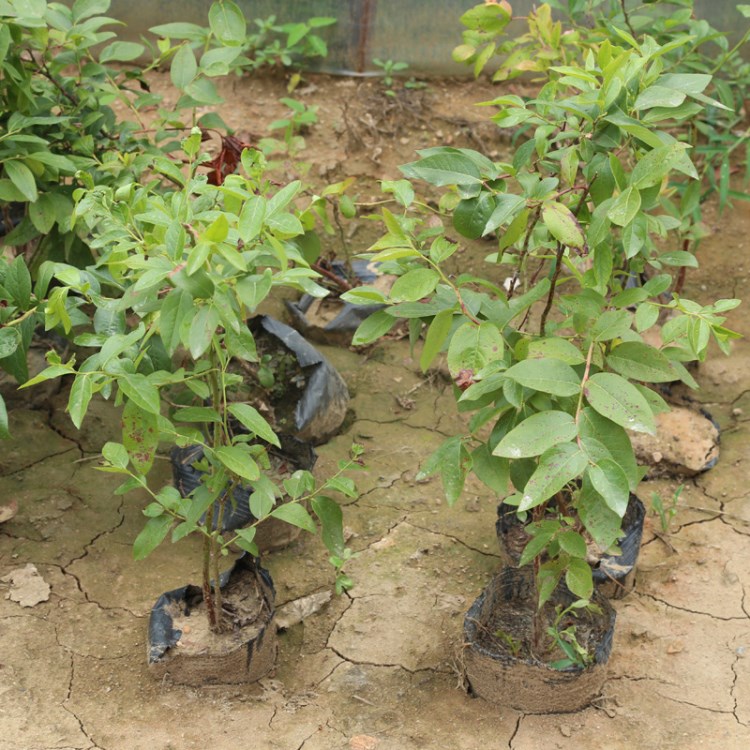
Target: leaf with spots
<point x="557" y="466"/>
<point x="140" y="436"/>
<point x="620" y="401"/>
<point x="474" y="346"/>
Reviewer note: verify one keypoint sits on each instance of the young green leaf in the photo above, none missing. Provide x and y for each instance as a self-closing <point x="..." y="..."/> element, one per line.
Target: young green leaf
<point x="295" y="514"/>
<point x="238" y="461"/>
<point x="611" y="482"/>
<point x="151" y="536"/>
<point x="437" y="333"/>
<point x="253" y="421"/>
<point x="546" y="375"/>
<point x="535" y="435"/>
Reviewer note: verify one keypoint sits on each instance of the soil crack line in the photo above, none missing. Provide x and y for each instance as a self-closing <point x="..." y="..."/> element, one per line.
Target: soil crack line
<point x="454" y="538"/>
<point x="515" y="731"/>
<point x="40" y="461"/>
<point x="69" y="694"/>
<point x="734" y="686"/>
<point x="690" y="611"/>
<point x="698" y="706"/>
<point x="394" y="665"/>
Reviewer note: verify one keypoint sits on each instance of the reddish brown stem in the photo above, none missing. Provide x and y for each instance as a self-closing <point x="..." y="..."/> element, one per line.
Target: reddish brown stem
<point x="343" y="284"/>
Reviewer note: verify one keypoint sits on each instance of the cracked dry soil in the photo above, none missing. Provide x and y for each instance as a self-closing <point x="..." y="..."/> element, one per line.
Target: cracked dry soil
<point x="376" y="668"/>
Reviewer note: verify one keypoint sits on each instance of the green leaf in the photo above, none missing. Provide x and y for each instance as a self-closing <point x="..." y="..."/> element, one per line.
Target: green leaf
<point x="184" y="67"/>
<point x="140" y="436"/>
<point x="151" y="536"/>
<point x="610" y="481"/>
<point x="4" y="431"/>
<point x="296" y="515"/>
<point x="202" y="330"/>
<point x="116" y="454"/>
<point x="85" y="8"/>
<point x="542" y="536"/>
<point x="251" y="218"/>
<point x="373" y="327"/>
<point x="655" y="165"/>
<point x="491" y="470"/>
<point x="658" y="96"/>
<point x="618" y="400"/>
<point x="42" y="213"/>
<point x="448" y="168"/>
<point x="218" y="230"/>
<point x="331" y="519"/>
<point x="121" y="52"/>
<point x="625" y="207"/>
<point x="472" y="215"/>
<point x="600" y="521"/>
<point x="10" y="339"/>
<point x="556" y="348"/>
<point x="579" y="579"/>
<point x="437" y="333"/>
<point x="558" y="466"/>
<point x="507" y="205"/>
<point x="638" y="361"/>
<point x="251" y="419"/>
<point x="473" y="346"/>
<point x="679" y="258"/>
<point x="562" y="224"/>
<point x="414" y="285"/>
<point x="594" y="426"/>
<point x="536" y="434"/>
<point x="177" y="306"/>
<point x="227" y="22"/>
<point x="238" y="461"/>
<point x="137" y="388"/>
<point x="197" y="414"/>
<point x="453" y="462"/>
<point x="22" y="177"/>
<point x="80" y="396"/>
<point x="612" y="324"/>
<point x="546" y="375"/>
<point x="252" y="290"/>
<point x="573" y="543"/>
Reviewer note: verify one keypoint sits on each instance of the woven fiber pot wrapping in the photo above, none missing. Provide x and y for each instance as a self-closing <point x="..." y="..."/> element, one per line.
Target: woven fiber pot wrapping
<point x="179" y="649"/>
<point x="521" y="680"/>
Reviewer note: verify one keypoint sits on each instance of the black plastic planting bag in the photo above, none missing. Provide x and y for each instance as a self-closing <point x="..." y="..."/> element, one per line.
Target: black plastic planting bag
<point x="341" y="319"/>
<point x="249" y="659"/>
<point x="321" y="409"/>
<point x="187" y="477"/>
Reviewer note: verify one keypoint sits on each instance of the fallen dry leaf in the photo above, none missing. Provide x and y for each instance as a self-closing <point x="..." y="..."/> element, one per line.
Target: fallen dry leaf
<point x="363" y="742"/>
<point x="293" y="612"/>
<point x="8" y="511"/>
<point x="27" y="587"/>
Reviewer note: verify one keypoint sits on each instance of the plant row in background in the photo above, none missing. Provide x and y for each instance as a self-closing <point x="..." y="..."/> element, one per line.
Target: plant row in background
<point x="550" y="347"/>
<point x="151" y="256"/>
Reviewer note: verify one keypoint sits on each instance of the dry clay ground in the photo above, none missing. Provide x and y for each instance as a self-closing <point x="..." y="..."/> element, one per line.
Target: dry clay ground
<point x="377" y="668"/>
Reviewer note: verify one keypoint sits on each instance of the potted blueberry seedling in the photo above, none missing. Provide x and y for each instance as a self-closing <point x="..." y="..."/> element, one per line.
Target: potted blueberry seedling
<point x="546" y="348"/>
<point x="166" y="306"/>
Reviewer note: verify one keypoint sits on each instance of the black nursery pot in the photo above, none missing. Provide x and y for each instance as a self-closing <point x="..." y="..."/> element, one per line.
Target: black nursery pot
<point x="521" y="680"/>
<point x="321" y="409"/>
<point x="331" y="320"/>
<point x="272" y="534"/>
<point x="178" y="644"/>
<point x="614" y="575"/>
